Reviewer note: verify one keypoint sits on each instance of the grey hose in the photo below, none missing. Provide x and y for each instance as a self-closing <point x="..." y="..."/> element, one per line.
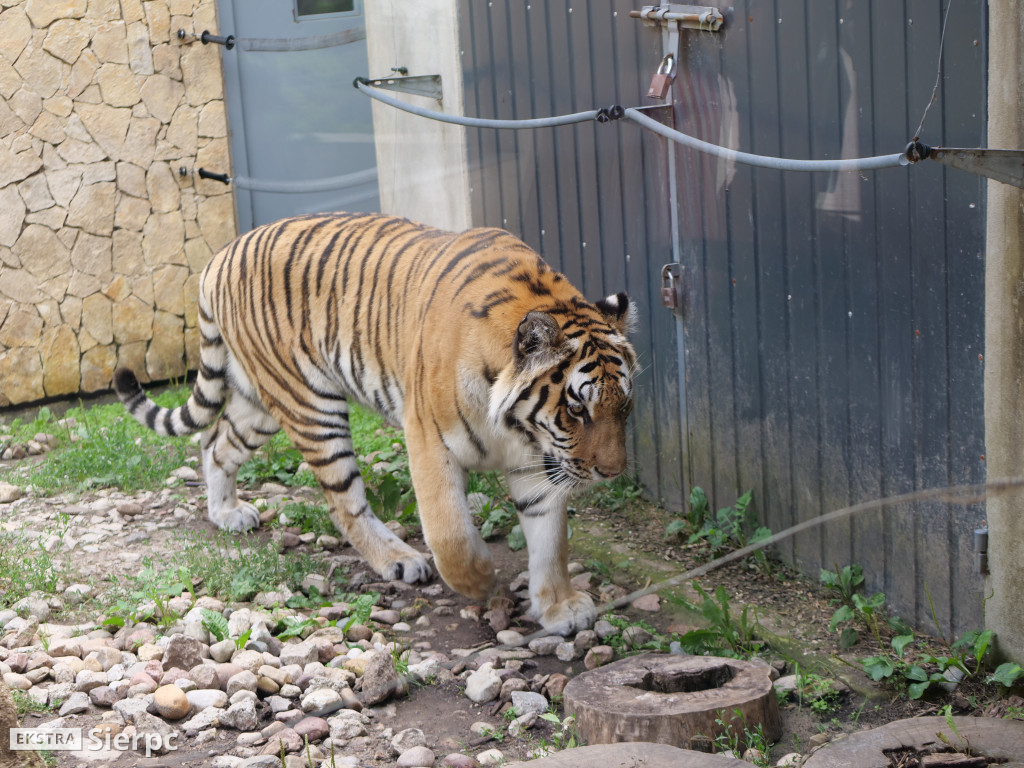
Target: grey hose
<point x="316" y="185"/>
<point x="762" y="161"/>
<point x="778" y="163"/>
<point x="473" y="122"/>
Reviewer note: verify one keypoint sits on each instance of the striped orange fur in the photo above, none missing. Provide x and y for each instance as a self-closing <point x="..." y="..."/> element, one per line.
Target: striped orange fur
<point x="485" y="356"/>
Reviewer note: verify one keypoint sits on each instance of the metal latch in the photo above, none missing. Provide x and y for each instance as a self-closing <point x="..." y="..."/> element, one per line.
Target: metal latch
<point x="672" y="296"/>
<point x="687" y="16"/>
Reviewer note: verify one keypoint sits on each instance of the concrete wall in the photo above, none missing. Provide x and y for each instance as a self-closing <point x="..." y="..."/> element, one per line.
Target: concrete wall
<point x="101" y="240"/>
<point x="421" y="164"/>
<point x="1004" y="331"/>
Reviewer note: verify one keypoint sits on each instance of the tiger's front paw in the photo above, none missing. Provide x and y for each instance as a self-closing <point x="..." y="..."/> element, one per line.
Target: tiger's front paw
<point x="568" y="616"/>
<point x="410" y="568"/>
<point x="470" y="574"/>
<point x="244" y="517"/>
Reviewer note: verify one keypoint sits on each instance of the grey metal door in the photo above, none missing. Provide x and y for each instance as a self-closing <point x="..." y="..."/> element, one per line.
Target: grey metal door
<point x="832" y="324"/>
<point x="301" y="136"/>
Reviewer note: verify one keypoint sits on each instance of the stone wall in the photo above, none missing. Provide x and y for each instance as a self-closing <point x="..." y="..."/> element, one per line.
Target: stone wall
<point x="101" y="239"/>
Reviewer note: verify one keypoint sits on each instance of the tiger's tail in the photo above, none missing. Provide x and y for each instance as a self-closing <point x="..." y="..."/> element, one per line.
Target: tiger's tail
<point x="209" y="393"/>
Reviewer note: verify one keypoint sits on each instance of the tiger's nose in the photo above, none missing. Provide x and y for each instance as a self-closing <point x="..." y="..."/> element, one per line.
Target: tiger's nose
<point x="612" y="467"/>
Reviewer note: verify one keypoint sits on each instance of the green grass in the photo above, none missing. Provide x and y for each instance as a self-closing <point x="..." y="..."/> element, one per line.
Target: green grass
<point x="25" y="567"/>
<point x="228" y="566"/>
<point x="102" y="446"/>
<point x="309" y="518"/>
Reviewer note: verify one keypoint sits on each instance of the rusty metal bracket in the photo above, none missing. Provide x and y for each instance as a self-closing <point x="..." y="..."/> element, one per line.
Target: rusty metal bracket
<point x="1005" y="165"/>
<point x="417" y="85"/>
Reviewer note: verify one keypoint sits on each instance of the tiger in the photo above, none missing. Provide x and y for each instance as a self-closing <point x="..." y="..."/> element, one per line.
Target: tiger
<point x="485" y="356"/>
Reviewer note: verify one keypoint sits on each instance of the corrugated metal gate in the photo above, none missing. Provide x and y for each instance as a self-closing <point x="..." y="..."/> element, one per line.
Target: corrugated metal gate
<point x="833" y="332"/>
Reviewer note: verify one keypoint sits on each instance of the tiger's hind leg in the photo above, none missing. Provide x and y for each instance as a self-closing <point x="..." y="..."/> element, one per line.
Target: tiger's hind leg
<point x="244" y="426"/>
<point x="326" y="445"/>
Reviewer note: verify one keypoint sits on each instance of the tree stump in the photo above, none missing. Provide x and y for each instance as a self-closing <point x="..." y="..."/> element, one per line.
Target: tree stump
<point x="637" y="754"/>
<point x="9" y="719"/>
<point x="673" y="699"/>
<point x="913" y="740"/>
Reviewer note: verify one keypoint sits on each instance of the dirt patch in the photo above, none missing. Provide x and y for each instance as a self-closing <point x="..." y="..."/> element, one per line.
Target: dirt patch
<point x="108" y="536"/>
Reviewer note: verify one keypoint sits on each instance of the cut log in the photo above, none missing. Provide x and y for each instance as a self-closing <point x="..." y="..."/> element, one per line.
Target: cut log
<point x="671" y="699"/>
<point x="631" y="755"/>
<point x="1001" y="740"/>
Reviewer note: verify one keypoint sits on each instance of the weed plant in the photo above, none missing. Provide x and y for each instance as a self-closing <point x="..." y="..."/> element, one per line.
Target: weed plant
<point x="103" y="446"/>
<point x="731" y="738"/>
<point x="26" y="567"/>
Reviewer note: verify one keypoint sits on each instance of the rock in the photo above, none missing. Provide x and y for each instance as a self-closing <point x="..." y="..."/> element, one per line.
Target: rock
<point x="483" y="685"/>
<point x="598" y="655"/>
<point x="556" y="684"/>
<point x="416" y="757"/>
<point x="87" y="679"/>
<point x="241" y="716"/>
<point x="242" y="681"/>
<point x="511" y="684"/>
<point x="319" y="698"/>
<point x="787" y="684"/>
<point x="521" y="724"/>
<point x="207" y="718"/>
<point x="605" y="629"/>
<point x="128" y="708"/>
<point x="312" y="728"/>
<point x="149" y="652"/>
<point x="286" y="737"/>
<point x="165" y="735"/>
<point x="173" y="675"/>
<point x="426" y="671"/>
<point x="567" y="652"/>
<point x="457" y="760"/>
<point x="511" y="638"/>
<point x="650" y="603"/>
<point x="65" y="647"/>
<point x="386" y="616"/>
<point x="636" y="636"/>
<point x="790" y="760"/>
<point x="183" y="652"/>
<point x="546" y="646"/>
<point x="347" y="724"/>
<point x="77" y="703"/>
<point x="222" y="651"/>
<point x="381" y="681"/>
<point x="23" y="636"/>
<point x="406" y="739"/>
<point x="103" y="696"/>
<point x="491" y="757"/>
<point x="204" y="676"/>
<point x="298" y="653"/>
<point x="171" y="703"/>
<point x="9" y="493"/>
<point x="525" y="702"/>
<point x="248" y="660"/>
<point x="206" y="697"/>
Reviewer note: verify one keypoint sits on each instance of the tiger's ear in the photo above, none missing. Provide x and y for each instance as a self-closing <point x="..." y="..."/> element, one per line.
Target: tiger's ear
<point x="618" y="311"/>
<point x="538" y="339"/>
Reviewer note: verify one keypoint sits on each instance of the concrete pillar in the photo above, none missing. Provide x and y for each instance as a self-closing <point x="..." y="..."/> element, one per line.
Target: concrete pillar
<point x="1004" y="331"/>
<point x="422" y="165"/>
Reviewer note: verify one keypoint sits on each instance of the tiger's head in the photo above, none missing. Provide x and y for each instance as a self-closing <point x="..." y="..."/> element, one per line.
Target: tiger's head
<point x="569" y="389"/>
